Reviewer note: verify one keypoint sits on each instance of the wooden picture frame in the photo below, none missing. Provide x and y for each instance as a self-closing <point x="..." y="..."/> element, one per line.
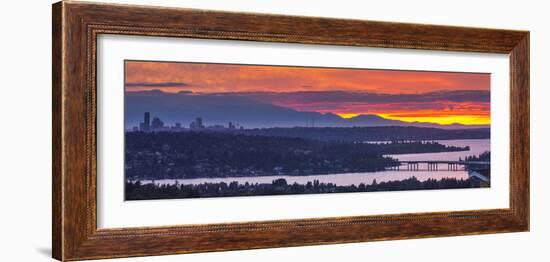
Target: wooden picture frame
<point x="76" y="26"/>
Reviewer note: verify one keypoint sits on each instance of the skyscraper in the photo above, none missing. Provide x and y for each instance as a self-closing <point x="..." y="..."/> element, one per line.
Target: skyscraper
<point x="146" y="121"/>
<point x="145" y="126"/>
<point x="199" y="122"/>
<point x="157" y="125"/>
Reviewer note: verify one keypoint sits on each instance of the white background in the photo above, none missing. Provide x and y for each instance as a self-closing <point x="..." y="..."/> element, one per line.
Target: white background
<point x="114" y="212"/>
<point x="25" y="147"/>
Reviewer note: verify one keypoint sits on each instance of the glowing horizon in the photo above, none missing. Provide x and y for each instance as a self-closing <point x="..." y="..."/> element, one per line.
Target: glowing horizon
<point x="436" y="119"/>
<point x="444" y="120"/>
<point x="348" y="115"/>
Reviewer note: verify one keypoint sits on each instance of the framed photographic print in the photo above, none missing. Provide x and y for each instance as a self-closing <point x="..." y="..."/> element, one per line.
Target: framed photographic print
<point x="181" y="130"/>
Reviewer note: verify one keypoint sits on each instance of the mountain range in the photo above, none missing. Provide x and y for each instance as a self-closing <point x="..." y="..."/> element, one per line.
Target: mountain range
<point x="222" y="108"/>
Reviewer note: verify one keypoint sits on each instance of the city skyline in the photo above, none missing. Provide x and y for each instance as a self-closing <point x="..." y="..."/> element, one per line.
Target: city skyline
<point x="157" y="125"/>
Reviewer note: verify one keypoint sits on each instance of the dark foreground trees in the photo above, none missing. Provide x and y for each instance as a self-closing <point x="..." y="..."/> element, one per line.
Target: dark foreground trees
<point x="138" y="191"/>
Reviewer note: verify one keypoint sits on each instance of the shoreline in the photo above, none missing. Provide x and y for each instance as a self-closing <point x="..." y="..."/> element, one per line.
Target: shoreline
<point x="137" y="191"/>
<point x="275" y="177"/>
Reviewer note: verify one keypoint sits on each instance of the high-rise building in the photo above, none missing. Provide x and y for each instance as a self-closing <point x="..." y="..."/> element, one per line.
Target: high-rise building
<point x="146" y="120"/>
<point x="157" y="124"/>
<point x="145" y="126"/>
<point x="199" y="122"/>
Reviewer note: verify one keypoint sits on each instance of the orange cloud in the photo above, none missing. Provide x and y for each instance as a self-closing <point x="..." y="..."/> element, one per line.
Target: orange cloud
<point x="214" y="78"/>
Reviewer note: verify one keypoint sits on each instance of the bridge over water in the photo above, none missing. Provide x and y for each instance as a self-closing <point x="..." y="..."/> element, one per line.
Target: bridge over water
<point x="433" y="165"/>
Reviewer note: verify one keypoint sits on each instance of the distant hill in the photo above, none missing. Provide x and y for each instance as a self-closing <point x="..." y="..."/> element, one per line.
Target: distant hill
<point x="219" y="109"/>
<point x="380" y="133"/>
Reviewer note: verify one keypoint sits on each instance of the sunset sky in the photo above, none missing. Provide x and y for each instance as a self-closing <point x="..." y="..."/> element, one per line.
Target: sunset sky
<point x="435" y="97"/>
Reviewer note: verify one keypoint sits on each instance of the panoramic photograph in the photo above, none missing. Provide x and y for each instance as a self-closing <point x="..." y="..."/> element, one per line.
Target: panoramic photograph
<point x="198" y="130"/>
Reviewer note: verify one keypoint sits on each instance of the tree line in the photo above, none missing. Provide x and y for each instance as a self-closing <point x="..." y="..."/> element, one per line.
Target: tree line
<point x="139" y="191"/>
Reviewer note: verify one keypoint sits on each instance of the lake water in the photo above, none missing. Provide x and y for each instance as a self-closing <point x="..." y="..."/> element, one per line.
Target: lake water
<point x="477" y="146"/>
